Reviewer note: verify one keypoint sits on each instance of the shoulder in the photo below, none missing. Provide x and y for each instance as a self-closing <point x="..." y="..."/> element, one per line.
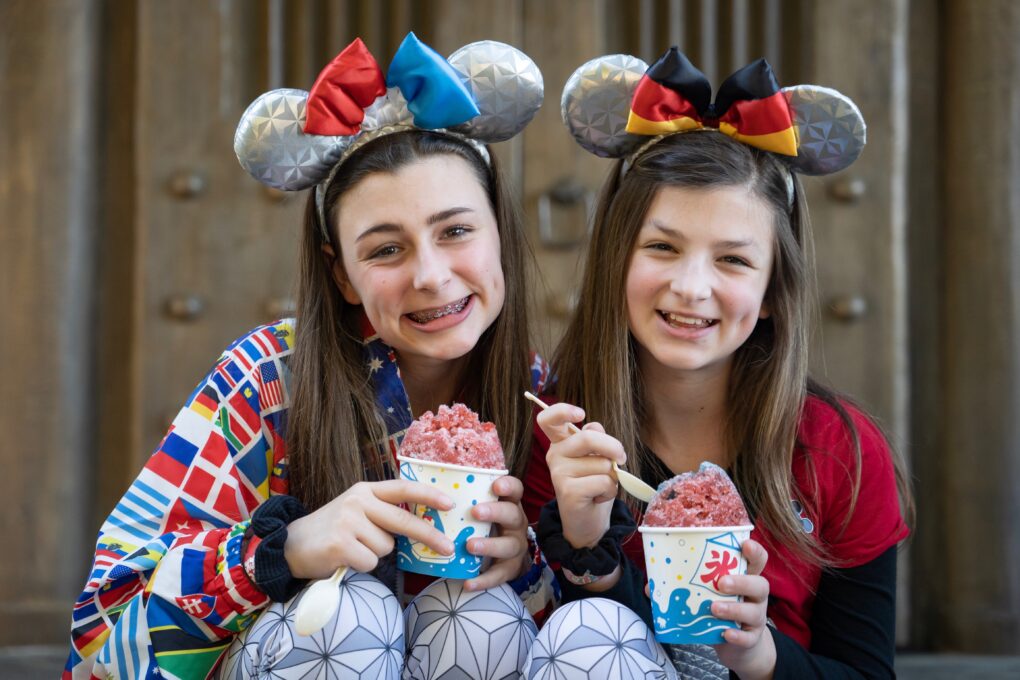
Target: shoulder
<point x="825" y="430"/>
<point x="261" y="344"/>
<point x="844" y="468"/>
<point x="256" y="357"/>
<point x="269" y="341"/>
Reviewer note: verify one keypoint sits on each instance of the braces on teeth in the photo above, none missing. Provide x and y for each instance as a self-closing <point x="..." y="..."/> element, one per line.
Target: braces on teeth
<point x="452" y="308"/>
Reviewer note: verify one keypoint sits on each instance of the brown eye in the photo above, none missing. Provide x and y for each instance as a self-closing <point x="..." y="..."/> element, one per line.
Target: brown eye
<point x="660" y="246"/>
<point x="457" y="231"/>
<point x="385" y="251"/>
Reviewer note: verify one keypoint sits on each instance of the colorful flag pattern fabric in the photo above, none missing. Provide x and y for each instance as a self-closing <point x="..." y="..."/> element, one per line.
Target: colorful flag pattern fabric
<point x="167" y="590"/>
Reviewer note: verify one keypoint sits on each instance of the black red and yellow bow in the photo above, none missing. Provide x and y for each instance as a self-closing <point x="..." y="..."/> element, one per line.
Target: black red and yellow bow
<point x="674" y="96"/>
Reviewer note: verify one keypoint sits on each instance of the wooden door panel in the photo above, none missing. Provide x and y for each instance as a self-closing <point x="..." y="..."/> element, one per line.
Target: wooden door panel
<point x="217" y="252"/>
<point x="48" y="278"/>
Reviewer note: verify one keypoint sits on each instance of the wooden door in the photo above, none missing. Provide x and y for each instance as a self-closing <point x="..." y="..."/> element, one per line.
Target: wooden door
<point x="859" y="220"/>
<point x="48" y="219"/>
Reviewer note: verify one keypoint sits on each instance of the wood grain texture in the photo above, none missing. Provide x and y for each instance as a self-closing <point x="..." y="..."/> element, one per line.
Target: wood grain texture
<point x="926" y="318"/>
<point x="981" y="455"/>
<point x="47" y="278"/>
<point x="559" y="36"/>
<point x="231" y="246"/>
<point x="861" y="246"/>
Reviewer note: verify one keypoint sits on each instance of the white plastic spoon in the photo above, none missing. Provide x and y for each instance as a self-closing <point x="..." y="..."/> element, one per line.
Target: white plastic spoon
<point x="632" y="484"/>
<point x="319" y="604"/>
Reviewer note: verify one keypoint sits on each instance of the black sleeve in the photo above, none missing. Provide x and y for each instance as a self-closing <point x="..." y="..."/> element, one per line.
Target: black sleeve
<point x="628" y="591"/>
<point x="853" y="626"/>
<point x="269" y="522"/>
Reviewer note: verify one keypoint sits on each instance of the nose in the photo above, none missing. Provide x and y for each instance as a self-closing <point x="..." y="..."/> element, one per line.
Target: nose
<point x="692" y="280"/>
<point x="432" y="271"/>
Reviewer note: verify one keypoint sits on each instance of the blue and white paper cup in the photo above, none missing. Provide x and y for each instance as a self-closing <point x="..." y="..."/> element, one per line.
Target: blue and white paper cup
<point x="467" y="487"/>
<point x="684" y="565"/>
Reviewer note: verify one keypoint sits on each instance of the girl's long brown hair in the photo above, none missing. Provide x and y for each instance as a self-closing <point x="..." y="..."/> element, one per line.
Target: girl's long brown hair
<point x="332" y="422"/>
<point x="596" y="365"/>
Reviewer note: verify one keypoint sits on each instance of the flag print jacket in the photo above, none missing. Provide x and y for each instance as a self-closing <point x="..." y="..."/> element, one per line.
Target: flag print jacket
<point x="167" y="591"/>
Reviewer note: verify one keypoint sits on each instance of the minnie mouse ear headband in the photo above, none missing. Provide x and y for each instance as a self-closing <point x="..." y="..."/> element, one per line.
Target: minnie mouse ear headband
<point x="291" y="139"/>
<point x="612" y="104"/>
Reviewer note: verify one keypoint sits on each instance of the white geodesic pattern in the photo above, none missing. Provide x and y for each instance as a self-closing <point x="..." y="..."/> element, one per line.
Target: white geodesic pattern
<point x="365" y="640"/>
<point x="595" y="639"/>
<point x="453" y="633"/>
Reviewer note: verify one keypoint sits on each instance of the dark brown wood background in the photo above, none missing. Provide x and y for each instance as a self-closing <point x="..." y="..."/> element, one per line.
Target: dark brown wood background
<point x="133" y="247"/>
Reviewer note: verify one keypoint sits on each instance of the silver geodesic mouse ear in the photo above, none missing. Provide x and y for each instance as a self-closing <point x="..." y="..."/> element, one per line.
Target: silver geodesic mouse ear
<point x="506" y="85"/>
<point x="615" y="104"/>
<point x="271" y="145"/>
<point x="486" y="92"/>
<point x="831" y="132"/>
<point x="596" y="104"/>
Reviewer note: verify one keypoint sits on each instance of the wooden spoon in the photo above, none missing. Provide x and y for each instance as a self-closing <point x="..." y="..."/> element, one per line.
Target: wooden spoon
<point x="632" y="484"/>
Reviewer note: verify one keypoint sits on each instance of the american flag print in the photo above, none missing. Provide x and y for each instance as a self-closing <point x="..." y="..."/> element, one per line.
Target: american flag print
<point x="167" y="590"/>
<point x="271" y="395"/>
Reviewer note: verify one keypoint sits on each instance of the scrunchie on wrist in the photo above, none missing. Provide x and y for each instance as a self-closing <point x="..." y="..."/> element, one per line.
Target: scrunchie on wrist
<point x="271" y="573"/>
<point x="600" y="560"/>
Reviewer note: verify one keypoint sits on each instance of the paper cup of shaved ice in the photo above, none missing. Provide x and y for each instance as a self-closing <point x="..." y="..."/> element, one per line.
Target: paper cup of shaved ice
<point x="461" y="456"/>
<point x="692" y="532"/>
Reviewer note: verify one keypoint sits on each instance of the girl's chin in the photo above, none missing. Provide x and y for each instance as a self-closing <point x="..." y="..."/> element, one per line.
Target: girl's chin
<point x="450" y="350"/>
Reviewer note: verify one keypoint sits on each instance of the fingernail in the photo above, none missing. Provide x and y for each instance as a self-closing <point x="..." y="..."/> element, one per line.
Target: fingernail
<point x="481" y="512"/>
<point x="725" y="583"/>
<point x="577" y="414"/>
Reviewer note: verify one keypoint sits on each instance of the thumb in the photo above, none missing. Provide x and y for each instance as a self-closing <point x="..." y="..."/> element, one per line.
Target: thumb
<point x="756" y="556"/>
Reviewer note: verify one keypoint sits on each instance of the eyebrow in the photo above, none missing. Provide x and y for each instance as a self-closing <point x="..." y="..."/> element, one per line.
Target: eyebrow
<point x="388" y="227"/>
<point x="669" y="231"/>
<point x="447" y="214"/>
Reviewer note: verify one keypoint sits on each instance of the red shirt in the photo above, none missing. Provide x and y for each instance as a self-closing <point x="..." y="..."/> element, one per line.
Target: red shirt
<point x="875" y="525"/>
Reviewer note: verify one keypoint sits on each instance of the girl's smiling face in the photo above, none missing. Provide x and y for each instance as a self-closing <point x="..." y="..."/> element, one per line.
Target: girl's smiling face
<point x="697" y="276"/>
<point x="421" y="253"/>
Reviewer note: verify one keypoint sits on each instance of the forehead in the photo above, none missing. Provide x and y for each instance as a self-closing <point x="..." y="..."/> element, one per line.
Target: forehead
<point x="727" y="212"/>
<point x="411" y="194"/>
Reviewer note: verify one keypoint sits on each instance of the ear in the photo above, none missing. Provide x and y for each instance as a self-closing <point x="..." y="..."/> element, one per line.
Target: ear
<point x="764" y="312"/>
<point x="336" y="269"/>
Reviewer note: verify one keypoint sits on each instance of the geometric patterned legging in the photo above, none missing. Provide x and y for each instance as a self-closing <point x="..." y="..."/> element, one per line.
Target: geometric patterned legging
<point x="447" y="633"/>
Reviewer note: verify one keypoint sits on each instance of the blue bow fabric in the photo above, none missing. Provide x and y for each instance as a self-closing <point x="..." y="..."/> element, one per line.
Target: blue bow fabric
<point x="435" y="94"/>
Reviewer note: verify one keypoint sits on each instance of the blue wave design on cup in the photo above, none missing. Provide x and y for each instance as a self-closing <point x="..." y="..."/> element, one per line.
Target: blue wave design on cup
<point x="418" y="558"/>
<point x="678" y="625"/>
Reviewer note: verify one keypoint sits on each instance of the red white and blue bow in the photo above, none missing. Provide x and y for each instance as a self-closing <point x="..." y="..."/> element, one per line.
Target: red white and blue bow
<point x="434" y="92"/>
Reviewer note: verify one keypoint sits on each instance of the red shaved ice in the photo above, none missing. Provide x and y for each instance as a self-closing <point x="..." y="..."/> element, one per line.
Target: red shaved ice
<point x="455" y="436"/>
<point x="704" y="498"/>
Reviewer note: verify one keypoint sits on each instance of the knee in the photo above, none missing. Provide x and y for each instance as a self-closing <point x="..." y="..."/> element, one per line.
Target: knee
<point x="273" y="647"/>
<point x="487" y="634"/>
<point x="368" y="619"/>
<point x="599" y="638"/>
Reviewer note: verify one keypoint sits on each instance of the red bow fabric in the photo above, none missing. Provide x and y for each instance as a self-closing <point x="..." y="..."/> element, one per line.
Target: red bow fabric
<point x="350" y="83"/>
